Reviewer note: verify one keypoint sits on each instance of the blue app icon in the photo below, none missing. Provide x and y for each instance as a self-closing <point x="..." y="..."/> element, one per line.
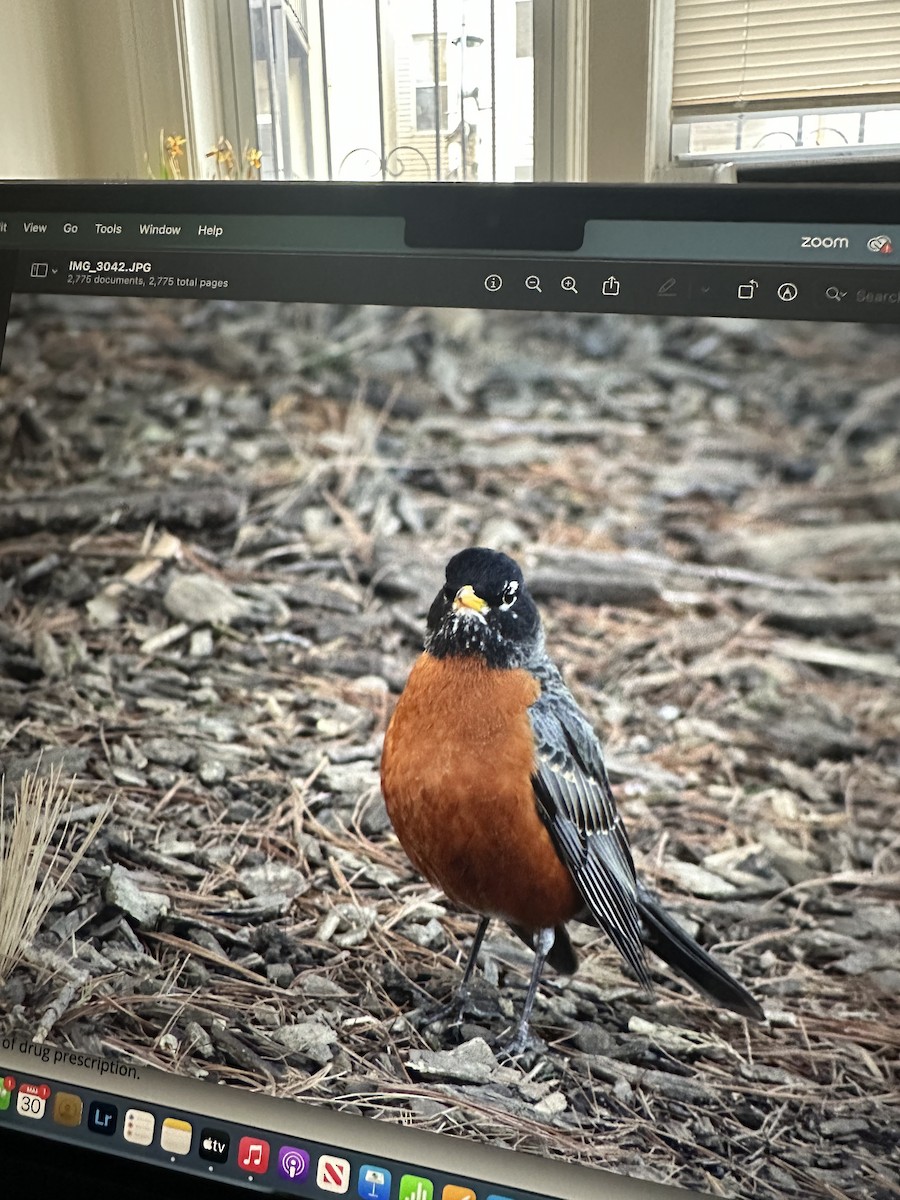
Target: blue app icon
<point x="374" y="1183"/>
<point x="102" y="1117"/>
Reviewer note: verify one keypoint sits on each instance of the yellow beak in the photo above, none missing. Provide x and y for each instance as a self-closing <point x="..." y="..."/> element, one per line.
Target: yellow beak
<point x="466" y="598"/>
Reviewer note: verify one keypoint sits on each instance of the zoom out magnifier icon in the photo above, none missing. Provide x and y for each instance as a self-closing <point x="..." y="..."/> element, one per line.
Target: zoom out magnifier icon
<point x="533" y="283"/>
<point x="567" y="283"/>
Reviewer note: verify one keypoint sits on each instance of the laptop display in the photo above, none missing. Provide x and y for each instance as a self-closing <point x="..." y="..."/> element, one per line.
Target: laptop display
<point x="384" y="577"/>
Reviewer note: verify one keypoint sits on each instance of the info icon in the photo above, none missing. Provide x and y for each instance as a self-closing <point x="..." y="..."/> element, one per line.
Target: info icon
<point x="214" y="1144"/>
<point x="293" y="1163"/>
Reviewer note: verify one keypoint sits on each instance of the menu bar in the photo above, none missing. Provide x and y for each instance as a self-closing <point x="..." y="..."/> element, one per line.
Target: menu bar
<point x="188" y="231"/>
<point x="803" y="243"/>
<point x="806" y="244"/>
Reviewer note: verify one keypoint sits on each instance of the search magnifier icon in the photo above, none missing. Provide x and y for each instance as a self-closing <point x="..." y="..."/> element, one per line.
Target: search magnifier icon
<point x="568" y="284"/>
<point x="834" y="293"/>
<point x="533" y="283"/>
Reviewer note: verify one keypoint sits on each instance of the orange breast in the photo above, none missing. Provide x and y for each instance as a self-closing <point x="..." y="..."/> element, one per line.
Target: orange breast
<point x="456" y="775"/>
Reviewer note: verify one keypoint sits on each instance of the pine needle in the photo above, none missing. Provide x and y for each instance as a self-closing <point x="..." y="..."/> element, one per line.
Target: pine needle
<point x="32" y="873"/>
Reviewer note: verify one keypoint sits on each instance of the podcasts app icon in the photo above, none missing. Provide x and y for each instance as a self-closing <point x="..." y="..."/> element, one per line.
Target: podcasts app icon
<point x="293" y="1163"/>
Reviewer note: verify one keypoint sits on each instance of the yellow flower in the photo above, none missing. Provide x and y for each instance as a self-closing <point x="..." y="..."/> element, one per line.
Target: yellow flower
<point x="175" y="144"/>
<point x="254" y="159"/>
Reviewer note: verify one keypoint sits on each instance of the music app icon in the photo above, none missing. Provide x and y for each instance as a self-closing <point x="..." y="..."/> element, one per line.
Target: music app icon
<point x="253" y="1155"/>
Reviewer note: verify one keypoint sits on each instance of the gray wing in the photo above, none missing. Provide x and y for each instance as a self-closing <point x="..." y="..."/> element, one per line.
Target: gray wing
<point x="576" y="803"/>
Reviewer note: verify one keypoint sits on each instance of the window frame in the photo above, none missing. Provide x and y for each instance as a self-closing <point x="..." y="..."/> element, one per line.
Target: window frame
<point x="439" y="85"/>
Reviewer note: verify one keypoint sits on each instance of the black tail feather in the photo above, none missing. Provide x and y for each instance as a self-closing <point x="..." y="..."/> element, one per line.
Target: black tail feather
<point x="665" y="937"/>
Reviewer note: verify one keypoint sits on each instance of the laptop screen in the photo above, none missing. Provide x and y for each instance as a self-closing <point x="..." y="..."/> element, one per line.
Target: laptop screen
<point x="449" y="730"/>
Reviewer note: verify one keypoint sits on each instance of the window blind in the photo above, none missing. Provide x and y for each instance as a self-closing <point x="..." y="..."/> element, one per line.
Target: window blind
<point x="738" y="55"/>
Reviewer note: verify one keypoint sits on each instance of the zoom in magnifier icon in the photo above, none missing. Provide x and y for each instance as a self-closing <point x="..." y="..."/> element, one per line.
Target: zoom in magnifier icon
<point x="567" y="283"/>
<point x="834" y="293"/>
<point x="533" y="283"/>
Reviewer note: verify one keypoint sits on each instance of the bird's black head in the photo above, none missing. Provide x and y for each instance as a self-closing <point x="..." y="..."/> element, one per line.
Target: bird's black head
<point x="484" y="610"/>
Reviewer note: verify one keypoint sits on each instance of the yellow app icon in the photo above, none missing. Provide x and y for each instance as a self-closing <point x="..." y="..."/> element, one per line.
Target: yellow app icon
<point x="139" y="1126"/>
<point x="457" y="1191"/>
<point x="176" y="1136"/>
<point x="67" y="1109"/>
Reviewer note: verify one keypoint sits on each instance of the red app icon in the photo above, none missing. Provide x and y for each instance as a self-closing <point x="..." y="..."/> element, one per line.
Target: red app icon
<point x="253" y="1155"/>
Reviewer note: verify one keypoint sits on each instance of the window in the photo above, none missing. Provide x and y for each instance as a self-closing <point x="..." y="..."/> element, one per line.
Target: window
<point x="427" y="94"/>
<point x="753" y="77"/>
<point x="281" y="79"/>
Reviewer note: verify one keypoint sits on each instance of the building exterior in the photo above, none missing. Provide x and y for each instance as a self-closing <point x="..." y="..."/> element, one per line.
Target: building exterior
<point x="395" y="89"/>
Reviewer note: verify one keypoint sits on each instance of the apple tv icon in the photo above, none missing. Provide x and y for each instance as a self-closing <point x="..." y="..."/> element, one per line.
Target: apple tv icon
<point x="214" y="1144"/>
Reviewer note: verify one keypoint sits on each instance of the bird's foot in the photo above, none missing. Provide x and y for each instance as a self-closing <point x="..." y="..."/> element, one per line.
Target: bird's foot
<point x="452" y="1012"/>
<point x="523" y="1041"/>
<point x="475" y="999"/>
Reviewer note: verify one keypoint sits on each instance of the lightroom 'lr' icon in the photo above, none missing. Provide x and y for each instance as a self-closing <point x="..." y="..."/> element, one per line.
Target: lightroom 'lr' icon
<point x="414" y="1187"/>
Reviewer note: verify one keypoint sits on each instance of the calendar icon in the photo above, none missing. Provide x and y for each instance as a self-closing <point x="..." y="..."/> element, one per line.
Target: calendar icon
<point x="32" y="1100"/>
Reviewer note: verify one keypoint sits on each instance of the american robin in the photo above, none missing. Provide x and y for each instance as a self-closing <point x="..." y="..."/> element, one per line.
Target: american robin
<point x="495" y="784"/>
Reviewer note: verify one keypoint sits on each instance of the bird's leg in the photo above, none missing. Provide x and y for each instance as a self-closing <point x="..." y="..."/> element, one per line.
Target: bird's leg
<point x="521" y="1039"/>
<point x="457" y="1004"/>
<point x="463" y="991"/>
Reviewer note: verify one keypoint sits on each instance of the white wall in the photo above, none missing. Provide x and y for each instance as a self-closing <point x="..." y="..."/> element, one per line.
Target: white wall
<point x="85" y="86"/>
<point x="41" y="135"/>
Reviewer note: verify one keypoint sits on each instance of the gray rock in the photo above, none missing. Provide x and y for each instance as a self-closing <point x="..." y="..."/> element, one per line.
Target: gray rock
<point x="429" y="934"/>
<point x="281" y="974"/>
<point x="697" y="881"/>
<point x="47" y="652"/>
<point x="200" y="599"/>
<point x="395" y="360"/>
<point x="169" y="752"/>
<point x="313" y="1039"/>
<point x="320" y="987"/>
<point x="201" y="643"/>
<point x="122" y="891"/>
<point x="716" y="478"/>
<point x="594" y="1039"/>
<point x="551" y="1105"/>
<point x="374" y="817"/>
<point x="273" y="879"/>
<point x="211" y="771"/>
<point x="350" y="779"/>
<point x="878" y="958"/>
<point x="129" y="776"/>
<point x="69" y="761"/>
<point x="472" y="1062"/>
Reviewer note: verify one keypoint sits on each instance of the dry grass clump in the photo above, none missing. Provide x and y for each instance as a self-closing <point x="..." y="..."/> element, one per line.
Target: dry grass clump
<point x="33" y="872"/>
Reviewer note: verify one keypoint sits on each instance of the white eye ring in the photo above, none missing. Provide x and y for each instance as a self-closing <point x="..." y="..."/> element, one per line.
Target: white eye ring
<point x="509" y="595"/>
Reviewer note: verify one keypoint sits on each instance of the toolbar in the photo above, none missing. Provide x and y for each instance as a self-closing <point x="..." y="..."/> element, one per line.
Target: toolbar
<point x="786" y="291"/>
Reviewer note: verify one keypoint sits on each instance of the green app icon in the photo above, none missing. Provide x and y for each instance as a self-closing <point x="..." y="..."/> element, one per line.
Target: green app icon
<point x="5" y="1095"/>
<point x="414" y="1187"/>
